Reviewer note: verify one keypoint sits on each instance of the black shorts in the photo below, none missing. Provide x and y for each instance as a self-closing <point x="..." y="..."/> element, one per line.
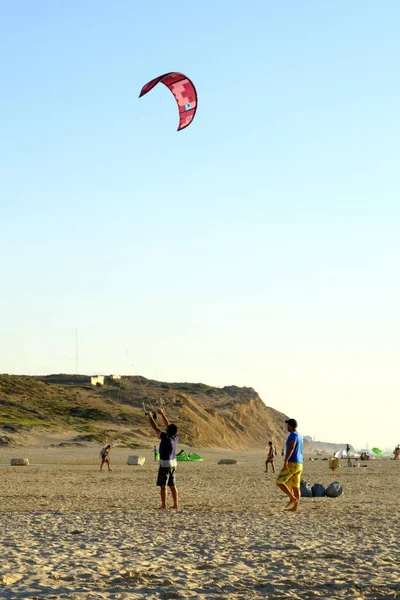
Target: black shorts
<point x="166" y="476"/>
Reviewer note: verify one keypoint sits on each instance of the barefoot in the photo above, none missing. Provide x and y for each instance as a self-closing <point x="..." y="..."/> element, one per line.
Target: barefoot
<point x="174" y="507"/>
<point x="295" y="507"/>
<point x="289" y="504"/>
<point x="162" y="508"/>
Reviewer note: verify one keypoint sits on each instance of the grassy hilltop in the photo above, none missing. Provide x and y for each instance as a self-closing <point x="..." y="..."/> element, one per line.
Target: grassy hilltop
<point x="229" y="417"/>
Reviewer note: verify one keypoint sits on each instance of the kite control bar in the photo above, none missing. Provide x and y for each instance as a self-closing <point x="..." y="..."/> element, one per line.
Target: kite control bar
<point x="151" y="411"/>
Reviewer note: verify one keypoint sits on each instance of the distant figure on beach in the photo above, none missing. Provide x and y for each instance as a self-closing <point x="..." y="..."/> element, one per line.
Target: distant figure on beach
<point x="155" y="453"/>
<point x="334" y="463"/>
<point x="270" y="457"/>
<point x="104" y="455"/>
<point x="289" y="478"/>
<point x="168" y="446"/>
<point x="396" y="452"/>
<point x="348" y="450"/>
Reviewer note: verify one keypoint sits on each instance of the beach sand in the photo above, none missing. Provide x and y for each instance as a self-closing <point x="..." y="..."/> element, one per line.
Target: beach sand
<point x="68" y="531"/>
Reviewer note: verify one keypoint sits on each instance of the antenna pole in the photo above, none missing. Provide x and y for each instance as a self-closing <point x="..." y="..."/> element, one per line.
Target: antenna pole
<point x="76" y="352"/>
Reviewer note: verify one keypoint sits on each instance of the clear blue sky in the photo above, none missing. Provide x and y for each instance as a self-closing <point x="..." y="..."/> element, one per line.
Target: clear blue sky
<point x="258" y="247"/>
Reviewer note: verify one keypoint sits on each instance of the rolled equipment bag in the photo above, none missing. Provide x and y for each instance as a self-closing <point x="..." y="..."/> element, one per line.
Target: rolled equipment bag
<point x="305" y="490"/>
<point x="318" y="490"/>
<point x="334" y="490"/>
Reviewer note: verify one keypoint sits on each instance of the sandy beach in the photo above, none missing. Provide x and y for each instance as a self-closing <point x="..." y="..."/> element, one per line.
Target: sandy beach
<point x="69" y="531"/>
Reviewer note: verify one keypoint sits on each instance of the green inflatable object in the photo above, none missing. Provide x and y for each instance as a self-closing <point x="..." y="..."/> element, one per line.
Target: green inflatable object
<point x="192" y="456"/>
<point x="377" y="451"/>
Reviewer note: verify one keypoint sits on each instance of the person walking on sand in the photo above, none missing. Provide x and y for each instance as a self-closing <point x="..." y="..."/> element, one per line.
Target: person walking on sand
<point x="348" y="450"/>
<point x="105" y="458"/>
<point x="289" y="478"/>
<point x="270" y="457"/>
<point x="396" y="453"/>
<point x="166" y="471"/>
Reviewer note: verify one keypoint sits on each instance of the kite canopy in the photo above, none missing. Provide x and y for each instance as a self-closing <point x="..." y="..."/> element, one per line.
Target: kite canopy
<point x="184" y="92"/>
<point x="192" y="456"/>
<point x="341" y="454"/>
<point x="377" y="451"/>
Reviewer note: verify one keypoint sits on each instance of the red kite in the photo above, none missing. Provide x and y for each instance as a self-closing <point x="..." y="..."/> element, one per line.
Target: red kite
<point x="184" y="92"/>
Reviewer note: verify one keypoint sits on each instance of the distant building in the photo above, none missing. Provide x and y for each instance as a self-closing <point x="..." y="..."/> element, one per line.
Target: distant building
<point x="103" y="379"/>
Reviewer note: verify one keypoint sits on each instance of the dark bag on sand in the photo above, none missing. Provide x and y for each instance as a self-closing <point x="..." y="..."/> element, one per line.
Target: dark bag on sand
<point x="305" y="490"/>
<point x="334" y="490"/>
<point x="318" y="490"/>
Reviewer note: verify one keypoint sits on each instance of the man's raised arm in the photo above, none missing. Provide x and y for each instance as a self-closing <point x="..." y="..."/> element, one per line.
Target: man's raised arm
<point x="164" y="417"/>
<point x="154" y="424"/>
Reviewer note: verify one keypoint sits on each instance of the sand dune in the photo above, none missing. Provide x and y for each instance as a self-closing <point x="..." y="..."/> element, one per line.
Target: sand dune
<point x="69" y="531"/>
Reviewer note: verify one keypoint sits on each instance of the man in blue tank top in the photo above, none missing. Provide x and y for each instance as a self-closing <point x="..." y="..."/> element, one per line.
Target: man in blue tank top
<point x="290" y="476"/>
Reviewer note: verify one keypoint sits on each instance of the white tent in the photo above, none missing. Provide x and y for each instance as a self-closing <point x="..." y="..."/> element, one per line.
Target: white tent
<point x="341" y="454"/>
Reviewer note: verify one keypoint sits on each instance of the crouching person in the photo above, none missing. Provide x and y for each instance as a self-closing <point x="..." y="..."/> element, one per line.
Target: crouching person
<point x="168" y="446"/>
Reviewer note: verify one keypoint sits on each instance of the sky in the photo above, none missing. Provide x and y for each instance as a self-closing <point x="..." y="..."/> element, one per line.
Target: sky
<point x="258" y="247"/>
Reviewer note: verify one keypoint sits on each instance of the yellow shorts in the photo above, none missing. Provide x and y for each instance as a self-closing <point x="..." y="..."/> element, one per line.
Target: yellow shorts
<point x="291" y="476"/>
